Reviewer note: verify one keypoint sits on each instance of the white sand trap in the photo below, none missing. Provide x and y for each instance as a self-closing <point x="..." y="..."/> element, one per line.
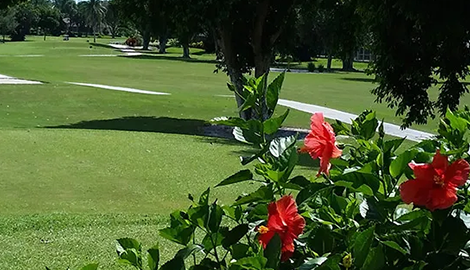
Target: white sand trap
<point x="133" y="54"/>
<point x="98" y="55"/>
<point x="116" y="88"/>
<point x="10" y="80"/>
<point x="390" y="129"/>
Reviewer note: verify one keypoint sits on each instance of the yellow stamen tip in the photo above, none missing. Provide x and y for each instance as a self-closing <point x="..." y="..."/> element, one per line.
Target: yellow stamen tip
<point x="263" y="230"/>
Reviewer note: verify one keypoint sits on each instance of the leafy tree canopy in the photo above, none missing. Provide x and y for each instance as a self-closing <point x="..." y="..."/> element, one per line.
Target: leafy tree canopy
<point x="419" y="44"/>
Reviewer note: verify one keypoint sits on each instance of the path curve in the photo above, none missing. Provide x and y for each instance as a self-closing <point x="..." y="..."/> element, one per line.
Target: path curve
<point x="390" y="129"/>
<point x="117" y="88"/>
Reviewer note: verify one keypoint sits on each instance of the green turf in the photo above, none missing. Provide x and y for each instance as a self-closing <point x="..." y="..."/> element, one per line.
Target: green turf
<point x="83" y="166"/>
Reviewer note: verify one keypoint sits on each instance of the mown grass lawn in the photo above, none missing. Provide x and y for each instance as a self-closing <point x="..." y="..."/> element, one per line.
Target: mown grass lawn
<point x="82" y="166"/>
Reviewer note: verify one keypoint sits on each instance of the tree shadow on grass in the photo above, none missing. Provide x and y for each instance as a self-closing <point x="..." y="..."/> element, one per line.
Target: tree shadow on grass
<point x="171" y="58"/>
<point x="368" y="80"/>
<point x="142" y="124"/>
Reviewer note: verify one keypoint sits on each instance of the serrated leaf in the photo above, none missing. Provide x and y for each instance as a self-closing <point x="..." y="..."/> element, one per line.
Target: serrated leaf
<point x="240" y="176"/>
<point x="279" y="145"/>
<point x="231" y="122"/>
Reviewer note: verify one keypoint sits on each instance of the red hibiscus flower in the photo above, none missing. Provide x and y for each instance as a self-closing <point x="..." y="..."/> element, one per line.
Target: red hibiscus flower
<point x="435" y="186"/>
<point x="321" y="143"/>
<point x="284" y="220"/>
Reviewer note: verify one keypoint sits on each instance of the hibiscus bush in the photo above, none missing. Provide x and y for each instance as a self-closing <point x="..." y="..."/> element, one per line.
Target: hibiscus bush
<point x="372" y="204"/>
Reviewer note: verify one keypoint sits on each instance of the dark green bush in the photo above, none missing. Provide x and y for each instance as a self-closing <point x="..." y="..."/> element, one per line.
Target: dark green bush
<point x="311" y="67"/>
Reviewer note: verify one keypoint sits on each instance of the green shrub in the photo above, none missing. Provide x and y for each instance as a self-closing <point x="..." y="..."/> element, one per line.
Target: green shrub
<point x="372" y="205"/>
<point x="321" y="68"/>
<point x="311" y="67"/>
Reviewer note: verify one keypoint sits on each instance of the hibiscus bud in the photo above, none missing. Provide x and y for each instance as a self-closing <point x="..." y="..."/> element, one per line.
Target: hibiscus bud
<point x="347" y="261"/>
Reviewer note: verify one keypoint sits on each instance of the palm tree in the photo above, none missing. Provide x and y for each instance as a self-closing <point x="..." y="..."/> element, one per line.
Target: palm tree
<point x="95" y="14"/>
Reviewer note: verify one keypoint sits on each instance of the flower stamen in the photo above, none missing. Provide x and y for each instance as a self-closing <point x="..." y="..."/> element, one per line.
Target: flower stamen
<point x="438" y="180"/>
<point x="263" y="230"/>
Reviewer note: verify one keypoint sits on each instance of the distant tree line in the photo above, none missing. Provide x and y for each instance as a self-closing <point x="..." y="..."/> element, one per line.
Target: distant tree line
<point x="415" y="44"/>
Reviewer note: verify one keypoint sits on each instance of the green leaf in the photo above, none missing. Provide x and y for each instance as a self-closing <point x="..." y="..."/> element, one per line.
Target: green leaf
<point x="356" y="187"/>
<point x="261" y="85"/>
<point x="250" y="102"/>
<point x="231" y="122"/>
<point x="240" y="176"/>
<point x="332" y="263"/>
<point x="215" y="218"/>
<point x="176" y="263"/>
<point x="252" y="263"/>
<point x="129" y="251"/>
<point x="394" y="245"/>
<point x="250" y="135"/>
<point x="313" y="263"/>
<point x="375" y="259"/>
<point x="184" y="253"/>
<point x="239" y="251"/>
<point x="392" y="145"/>
<point x="273" y="252"/>
<point x="361" y="246"/>
<point x="279" y="145"/>
<point x="358" y="179"/>
<point x="300" y="181"/>
<point x="309" y="192"/>
<point x="212" y="240"/>
<point x="365" y="125"/>
<point x="400" y="164"/>
<point x="264" y="193"/>
<point x="180" y="236"/>
<point x="273" y="91"/>
<point x="153" y="257"/>
<point x="235" y="235"/>
<point x="204" y="199"/>
<point x="457" y="122"/>
<point x="231" y="87"/>
<point x="92" y="266"/>
<point x="272" y="125"/>
<point x="340" y="128"/>
<point x="234" y="212"/>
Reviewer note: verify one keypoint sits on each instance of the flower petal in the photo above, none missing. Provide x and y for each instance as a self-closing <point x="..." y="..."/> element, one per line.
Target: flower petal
<point x="416" y="191"/>
<point x="457" y="172"/>
<point x="442" y="197"/>
<point x="423" y="171"/>
<point x="440" y="163"/>
<point x="287" y="251"/>
<point x="336" y="152"/>
<point x="265" y="238"/>
<point x="316" y="124"/>
<point x="314" y="146"/>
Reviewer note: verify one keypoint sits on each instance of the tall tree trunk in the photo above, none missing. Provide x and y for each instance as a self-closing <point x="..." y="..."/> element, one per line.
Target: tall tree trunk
<point x="348" y="62"/>
<point x="146" y="40"/>
<point x="328" y="63"/>
<point x="162" y="44"/>
<point x="186" y="50"/>
<point x="224" y="42"/>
